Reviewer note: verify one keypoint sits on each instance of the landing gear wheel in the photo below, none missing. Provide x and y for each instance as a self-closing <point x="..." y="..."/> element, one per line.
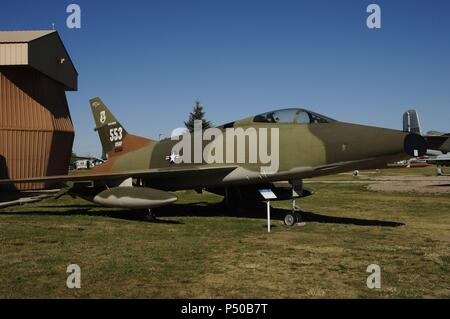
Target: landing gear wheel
<point x="298" y="217"/>
<point x="150" y="217"/>
<point x="289" y="219"/>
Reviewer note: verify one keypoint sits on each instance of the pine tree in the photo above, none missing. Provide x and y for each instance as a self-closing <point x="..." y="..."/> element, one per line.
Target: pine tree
<point x="197" y="114"/>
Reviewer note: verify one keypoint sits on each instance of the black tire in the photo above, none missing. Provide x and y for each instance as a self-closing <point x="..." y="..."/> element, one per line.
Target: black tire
<point x="289" y="220"/>
<point x="298" y="217"/>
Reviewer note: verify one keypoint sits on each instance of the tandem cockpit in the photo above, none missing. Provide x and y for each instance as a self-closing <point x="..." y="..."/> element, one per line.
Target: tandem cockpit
<point x="292" y="116"/>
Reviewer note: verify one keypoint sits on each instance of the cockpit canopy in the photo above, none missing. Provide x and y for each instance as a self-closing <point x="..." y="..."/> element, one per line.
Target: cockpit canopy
<point x="292" y="116"/>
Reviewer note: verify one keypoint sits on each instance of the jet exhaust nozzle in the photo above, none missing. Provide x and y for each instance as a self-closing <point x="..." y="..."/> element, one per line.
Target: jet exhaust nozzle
<point x="415" y="145"/>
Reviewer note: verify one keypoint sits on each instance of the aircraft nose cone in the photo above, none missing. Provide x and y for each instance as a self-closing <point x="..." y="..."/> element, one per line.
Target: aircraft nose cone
<point x="415" y="145"/>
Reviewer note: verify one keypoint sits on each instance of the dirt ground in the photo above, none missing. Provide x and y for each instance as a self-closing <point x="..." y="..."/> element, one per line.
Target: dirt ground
<point x="422" y="184"/>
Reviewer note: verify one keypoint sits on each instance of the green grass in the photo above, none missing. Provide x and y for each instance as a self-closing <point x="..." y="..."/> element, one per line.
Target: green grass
<point x="198" y="250"/>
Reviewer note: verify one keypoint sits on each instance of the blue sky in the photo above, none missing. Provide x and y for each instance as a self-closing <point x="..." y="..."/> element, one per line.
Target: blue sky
<point x="150" y="60"/>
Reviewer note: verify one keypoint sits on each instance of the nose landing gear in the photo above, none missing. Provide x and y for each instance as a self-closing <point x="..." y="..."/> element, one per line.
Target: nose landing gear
<point x="294" y="217"/>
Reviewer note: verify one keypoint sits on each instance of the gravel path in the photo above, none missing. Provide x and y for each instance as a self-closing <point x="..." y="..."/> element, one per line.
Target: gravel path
<point x="418" y="184"/>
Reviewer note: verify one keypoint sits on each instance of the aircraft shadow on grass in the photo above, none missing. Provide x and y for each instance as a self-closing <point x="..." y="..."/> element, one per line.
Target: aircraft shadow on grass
<point x="259" y="212"/>
<point x="203" y="209"/>
<point x="86" y="210"/>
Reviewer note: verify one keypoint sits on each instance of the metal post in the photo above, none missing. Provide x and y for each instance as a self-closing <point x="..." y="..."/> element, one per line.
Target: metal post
<point x="268" y="216"/>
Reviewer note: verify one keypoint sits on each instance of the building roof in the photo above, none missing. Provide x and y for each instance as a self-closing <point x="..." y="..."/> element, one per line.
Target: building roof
<point x="41" y="50"/>
<point x="22" y="36"/>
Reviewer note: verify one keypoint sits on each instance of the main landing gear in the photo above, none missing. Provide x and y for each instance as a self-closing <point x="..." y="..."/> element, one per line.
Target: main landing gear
<point x="150" y="217"/>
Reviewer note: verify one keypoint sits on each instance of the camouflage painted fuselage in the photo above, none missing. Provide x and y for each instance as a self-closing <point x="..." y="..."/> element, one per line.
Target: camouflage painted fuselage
<point x="305" y="150"/>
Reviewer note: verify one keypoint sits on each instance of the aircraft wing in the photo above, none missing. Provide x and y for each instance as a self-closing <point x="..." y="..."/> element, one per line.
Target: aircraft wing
<point x="147" y="174"/>
<point x="438" y="142"/>
<point x="439" y="160"/>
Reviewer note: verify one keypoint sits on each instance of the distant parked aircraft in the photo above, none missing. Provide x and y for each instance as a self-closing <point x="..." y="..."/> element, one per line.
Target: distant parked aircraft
<point x="438" y="143"/>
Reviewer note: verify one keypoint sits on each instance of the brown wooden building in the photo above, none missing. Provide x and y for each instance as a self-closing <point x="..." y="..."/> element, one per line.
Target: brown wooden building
<point x="36" y="131"/>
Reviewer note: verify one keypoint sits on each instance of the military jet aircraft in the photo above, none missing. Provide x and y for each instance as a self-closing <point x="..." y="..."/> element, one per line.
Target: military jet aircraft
<point x="140" y="173"/>
<point x="439" y="159"/>
<point x="438" y="143"/>
<point x="439" y="156"/>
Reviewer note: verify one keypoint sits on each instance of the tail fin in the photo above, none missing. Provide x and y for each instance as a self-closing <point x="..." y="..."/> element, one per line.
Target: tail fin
<point x="114" y="138"/>
<point x="411" y="123"/>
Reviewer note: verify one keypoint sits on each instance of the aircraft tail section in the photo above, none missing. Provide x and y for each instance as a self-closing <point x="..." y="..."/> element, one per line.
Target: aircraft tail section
<point x="411" y="123"/>
<point x="435" y="140"/>
<point x="114" y="138"/>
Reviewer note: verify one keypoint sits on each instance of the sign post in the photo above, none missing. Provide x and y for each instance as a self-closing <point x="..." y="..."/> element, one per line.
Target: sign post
<point x="268" y="195"/>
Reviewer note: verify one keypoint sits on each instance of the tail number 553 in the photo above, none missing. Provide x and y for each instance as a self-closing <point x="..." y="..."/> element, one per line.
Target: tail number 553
<point x="115" y="134"/>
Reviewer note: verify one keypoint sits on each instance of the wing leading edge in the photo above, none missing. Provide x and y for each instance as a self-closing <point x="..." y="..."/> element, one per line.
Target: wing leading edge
<point x="147" y="174"/>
